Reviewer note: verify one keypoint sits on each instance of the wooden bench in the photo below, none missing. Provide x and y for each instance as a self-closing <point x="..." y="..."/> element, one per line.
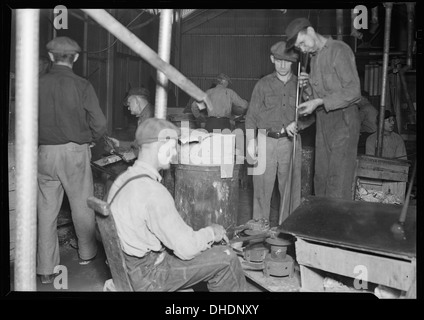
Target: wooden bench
<point x="112" y="246"/>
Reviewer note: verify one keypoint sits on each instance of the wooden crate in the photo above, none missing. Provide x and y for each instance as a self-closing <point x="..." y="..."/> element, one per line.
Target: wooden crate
<point x="381" y="174"/>
<point x="394" y="272"/>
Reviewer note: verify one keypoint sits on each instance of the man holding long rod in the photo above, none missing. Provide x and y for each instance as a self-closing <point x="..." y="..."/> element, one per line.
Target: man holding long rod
<point x="288" y="203"/>
<point x="272" y="108"/>
<point x="336" y="93"/>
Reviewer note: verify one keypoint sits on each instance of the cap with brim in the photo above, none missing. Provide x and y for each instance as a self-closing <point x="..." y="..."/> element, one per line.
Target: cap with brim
<point x="154" y="130"/>
<point x="223" y="76"/>
<point x="388" y="114"/>
<point x="63" y="45"/>
<point x="137" y="91"/>
<point x="280" y="52"/>
<point x="293" y="29"/>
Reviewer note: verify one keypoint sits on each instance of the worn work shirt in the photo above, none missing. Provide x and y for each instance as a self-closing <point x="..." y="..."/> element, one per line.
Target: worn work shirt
<point x="69" y="110"/>
<point x="222" y="99"/>
<point x="147" y="220"/>
<point x="334" y="77"/>
<point x="273" y="104"/>
<point x="368" y="114"/>
<point x="393" y="145"/>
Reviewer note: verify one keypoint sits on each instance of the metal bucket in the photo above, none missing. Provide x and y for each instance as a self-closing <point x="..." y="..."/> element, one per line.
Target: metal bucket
<point x="202" y="197"/>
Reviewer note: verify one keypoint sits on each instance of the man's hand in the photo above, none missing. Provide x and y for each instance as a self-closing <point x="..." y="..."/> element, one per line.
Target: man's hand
<point x="114" y="141"/>
<point x="291" y="129"/>
<point x="306" y="108"/>
<point x="303" y="79"/>
<point x="252" y="149"/>
<point x="220" y="233"/>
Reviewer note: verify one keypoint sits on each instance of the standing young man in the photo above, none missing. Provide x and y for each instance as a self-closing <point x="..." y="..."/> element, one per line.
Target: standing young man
<point x="70" y="119"/>
<point x="272" y="108"/>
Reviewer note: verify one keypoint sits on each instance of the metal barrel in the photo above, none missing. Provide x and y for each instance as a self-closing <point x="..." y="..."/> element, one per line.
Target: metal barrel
<point x="202" y="197"/>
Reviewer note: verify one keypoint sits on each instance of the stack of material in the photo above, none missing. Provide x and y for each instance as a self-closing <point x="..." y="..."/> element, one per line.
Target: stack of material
<point x="369" y="195"/>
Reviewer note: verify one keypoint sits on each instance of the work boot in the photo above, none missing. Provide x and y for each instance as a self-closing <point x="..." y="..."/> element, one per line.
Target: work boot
<point x="48" y="278"/>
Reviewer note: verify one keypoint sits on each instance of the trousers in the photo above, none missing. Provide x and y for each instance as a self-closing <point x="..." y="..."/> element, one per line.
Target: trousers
<point x="64" y="168"/>
<point x="218" y="266"/>
<point x="278" y="157"/>
<point x="336" y="145"/>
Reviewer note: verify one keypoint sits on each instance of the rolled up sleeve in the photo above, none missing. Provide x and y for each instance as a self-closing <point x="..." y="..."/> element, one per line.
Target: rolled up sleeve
<point x="168" y="226"/>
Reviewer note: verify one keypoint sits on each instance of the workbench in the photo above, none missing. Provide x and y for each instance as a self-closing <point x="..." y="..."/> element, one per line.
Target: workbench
<point x="353" y="239"/>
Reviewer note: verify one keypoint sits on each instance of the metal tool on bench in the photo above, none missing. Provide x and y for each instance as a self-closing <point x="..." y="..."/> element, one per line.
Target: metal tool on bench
<point x="111" y="145"/>
<point x="277" y="262"/>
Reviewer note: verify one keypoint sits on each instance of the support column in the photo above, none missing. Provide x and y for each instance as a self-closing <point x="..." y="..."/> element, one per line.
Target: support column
<point x="27" y="42"/>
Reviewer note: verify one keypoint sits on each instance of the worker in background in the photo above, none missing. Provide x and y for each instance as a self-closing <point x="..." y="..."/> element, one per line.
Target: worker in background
<point x="161" y="251"/>
<point x="272" y="107"/>
<point x="368" y="115"/>
<point x="336" y="93"/>
<point x="70" y="119"/>
<point x="393" y="144"/>
<point x="138" y="104"/>
<point x="223" y="99"/>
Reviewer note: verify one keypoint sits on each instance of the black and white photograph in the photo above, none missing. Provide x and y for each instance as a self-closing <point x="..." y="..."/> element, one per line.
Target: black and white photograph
<point x="243" y="151"/>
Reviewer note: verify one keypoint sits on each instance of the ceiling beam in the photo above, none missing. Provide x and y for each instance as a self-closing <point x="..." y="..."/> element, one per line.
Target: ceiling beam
<point x="206" y="16"/>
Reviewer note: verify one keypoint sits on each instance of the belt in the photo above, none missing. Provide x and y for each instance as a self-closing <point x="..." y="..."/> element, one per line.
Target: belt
<point x="276" y="135"/>
<point x="212" y="117"/>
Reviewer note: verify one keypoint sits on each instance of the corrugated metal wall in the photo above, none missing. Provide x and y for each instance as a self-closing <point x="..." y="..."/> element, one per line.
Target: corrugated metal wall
<point x="238" y="43"/>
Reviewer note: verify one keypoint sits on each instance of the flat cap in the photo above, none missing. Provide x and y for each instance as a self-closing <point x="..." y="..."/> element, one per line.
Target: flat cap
<point x="154" y="129"/>
<point x="280" y="52"/>
<point x="223" y="76"/>
<point x="388" y="114"/>
<point x="139" y="91"/>
<point x="63" y="45"/>
<point x="293" y="29"/>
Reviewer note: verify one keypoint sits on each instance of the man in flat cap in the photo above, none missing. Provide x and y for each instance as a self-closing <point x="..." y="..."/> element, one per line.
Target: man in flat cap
<point x="223" y="100"/>
<point x="138" y="104"/>
<point x="336" y="92"/>
<point x="161" y="251"/>
<point x="272" y="108"/>
<point x="70" y="119"/>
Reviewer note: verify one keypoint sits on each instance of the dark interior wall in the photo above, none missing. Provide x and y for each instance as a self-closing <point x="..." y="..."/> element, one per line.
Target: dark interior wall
<point x="237" y="42"/>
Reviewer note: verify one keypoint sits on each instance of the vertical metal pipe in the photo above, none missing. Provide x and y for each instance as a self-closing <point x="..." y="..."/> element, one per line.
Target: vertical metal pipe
<point x="85" y="47"/>
<point x="339" y="21"/>
<point x="27" y="42"/>
<point x="110" y="63"/>
<point x="164" y="52"/>
<point x="388" y="21"/>
<point x="410" y="11"/>
<point x="178" y="49"/>
<point x="398" y="92"/>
